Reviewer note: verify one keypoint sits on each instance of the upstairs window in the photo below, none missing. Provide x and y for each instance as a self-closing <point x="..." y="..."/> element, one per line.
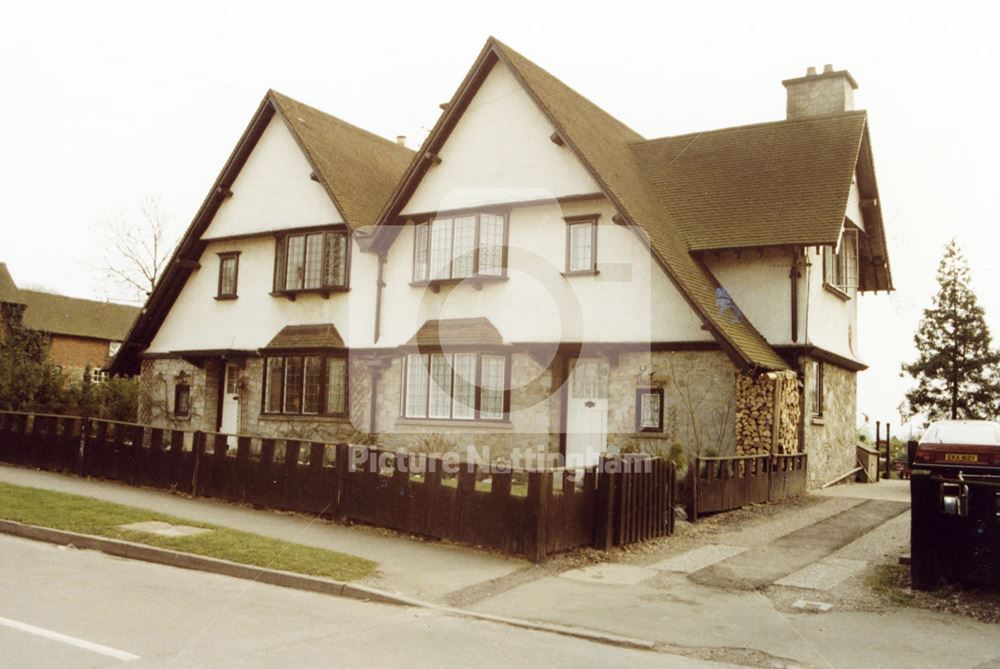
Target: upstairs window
<point x="229" y="265"/>
<point x="457" y="386"/>
<point x="311" y="261"/>
<point x="460" y="248"/>
<point x="840" y="268"/>
<point x="581" y="245"/>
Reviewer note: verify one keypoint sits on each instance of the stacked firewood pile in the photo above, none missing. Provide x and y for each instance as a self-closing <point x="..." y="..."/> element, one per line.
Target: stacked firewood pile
<point x="755" y="413"/>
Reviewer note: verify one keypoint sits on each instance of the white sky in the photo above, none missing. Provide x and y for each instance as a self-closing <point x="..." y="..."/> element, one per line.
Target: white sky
<point x="107" y="103"/>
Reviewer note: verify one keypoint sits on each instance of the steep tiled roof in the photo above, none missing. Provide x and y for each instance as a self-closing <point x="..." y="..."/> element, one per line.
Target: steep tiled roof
<point x="76" y="317"/>
<point x="8" y="289"/>
<point x="456" y="332"/>
<point x="358" y="168"/>
<point x="761" y="185"/>
<point x="604" y="144"/>
<point x="316" y="336"/>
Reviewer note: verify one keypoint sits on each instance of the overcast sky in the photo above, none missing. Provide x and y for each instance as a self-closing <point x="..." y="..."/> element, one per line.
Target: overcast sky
<point x="108" y="103"/>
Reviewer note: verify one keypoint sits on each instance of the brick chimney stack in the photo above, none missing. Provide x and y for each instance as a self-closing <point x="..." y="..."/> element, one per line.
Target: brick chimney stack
<point x="828" y="92"/>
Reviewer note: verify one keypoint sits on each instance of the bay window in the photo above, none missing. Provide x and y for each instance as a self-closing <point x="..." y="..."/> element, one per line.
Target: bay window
<point x="457" y="386"/>
<point x="311" y="261"/>
<point x="459" y="248"/>
<point x="840" y="267"/>
<point x="313" y="385"/>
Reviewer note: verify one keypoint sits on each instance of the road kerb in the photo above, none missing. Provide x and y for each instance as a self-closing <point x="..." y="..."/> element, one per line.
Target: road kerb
<point x="326" y="586"/>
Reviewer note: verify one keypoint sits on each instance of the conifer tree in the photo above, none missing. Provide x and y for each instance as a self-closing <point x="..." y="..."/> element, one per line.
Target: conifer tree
<point x="956" y="369"/>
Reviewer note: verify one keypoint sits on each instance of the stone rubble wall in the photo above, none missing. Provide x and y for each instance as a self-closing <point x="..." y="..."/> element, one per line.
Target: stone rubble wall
<point x="831" y="440"/>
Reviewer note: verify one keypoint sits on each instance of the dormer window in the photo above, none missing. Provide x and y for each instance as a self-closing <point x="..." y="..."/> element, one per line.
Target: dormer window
<point x="312" y="261"/>
<point x="840" y="267"/>
<point x="460" y="247"/>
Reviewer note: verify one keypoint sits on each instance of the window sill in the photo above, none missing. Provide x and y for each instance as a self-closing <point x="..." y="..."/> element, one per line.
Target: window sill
<point x="476" y="281"/>
<point x="582" y="272"/>
<point x="450" y="422"/>
<point x="300" y="418"/>
<point x="325" y="292"/>
<point x="818" y="420"/>
<point x="837" y="291"/>
<point x="225" y="298"/>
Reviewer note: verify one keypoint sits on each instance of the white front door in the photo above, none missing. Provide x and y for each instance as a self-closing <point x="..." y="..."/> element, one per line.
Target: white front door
<point x="587" y="413"/>
<point x="230" y="399"/>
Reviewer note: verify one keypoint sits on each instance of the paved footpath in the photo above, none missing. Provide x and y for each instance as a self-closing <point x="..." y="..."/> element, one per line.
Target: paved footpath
<point x="421" y="569"/>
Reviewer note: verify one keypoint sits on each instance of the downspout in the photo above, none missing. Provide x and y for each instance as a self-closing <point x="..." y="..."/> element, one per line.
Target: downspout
<point x="376" y="368"/>
<point x="378" y="297"/>
<point x="794" y="275"/>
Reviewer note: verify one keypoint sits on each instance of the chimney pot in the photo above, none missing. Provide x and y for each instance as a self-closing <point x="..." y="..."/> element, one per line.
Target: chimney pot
<point x="827" y="68"/>
<point x="401" y="140"/>
<point x="810" y="71"/>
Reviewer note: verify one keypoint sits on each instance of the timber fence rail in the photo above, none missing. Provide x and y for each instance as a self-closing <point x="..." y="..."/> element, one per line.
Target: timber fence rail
<point x="625" y="499"/>
<point x="723" y="483"/>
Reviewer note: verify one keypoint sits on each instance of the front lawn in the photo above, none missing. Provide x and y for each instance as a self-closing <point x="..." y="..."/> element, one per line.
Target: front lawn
<point x="75" y="513"/>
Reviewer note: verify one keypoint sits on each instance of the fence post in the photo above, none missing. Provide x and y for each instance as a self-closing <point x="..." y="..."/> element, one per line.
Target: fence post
<point x="197" y="452"/>
<point x="888" y="450"/>
<point x="341" y="469"/>
<point x="923" y="528"/>
<point x="693" y="469"/>
<point x="539" y="494"/>
<point x="606" y="495"/>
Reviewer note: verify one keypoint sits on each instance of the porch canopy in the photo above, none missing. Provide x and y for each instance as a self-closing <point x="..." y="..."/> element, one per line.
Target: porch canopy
<point x="452" y="333"/>
<point x="316" y="336"/>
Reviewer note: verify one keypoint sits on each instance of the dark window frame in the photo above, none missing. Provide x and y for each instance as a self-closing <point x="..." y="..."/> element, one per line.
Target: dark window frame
<point x="818" y="392"/>
<point x="639" y="392"/>
<point x="583" y="219"/>
<point x="282" y="238"/>
<point x="182" y="390"/>
<point x="475" y="275"/>
<point x="477" y="417"/>
<point x="223" y="258"/>
<point x="325" y="356"/>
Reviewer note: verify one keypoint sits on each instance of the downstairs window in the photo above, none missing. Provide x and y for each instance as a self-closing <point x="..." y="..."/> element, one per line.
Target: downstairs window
<point x="311" y="385"/>
<point x="457" y="386"/>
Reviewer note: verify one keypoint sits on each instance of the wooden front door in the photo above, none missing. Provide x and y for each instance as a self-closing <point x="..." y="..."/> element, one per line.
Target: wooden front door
<point x="229" y="408"/>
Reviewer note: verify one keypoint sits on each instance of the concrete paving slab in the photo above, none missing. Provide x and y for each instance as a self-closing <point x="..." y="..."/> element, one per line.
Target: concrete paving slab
<point x="893" y="490"/>
<point x="826" y="574"/>
<point x="610" y="574"/>
<point x="164" y="529"/>
<point x="698" y="558"/>
<point x="764" y="565"/>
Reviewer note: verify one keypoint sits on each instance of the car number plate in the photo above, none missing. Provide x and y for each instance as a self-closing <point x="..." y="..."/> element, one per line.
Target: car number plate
<point x="961" y="457"/>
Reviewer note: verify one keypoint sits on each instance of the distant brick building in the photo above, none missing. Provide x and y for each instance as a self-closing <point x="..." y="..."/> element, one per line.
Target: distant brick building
<point x="84" y="333"/>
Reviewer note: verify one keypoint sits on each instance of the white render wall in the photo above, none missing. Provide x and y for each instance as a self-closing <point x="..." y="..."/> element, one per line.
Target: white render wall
<point x="759" y="283"/>
<point x="630" y="300"/>
<point x="832" y="320"/>
<point x="198" y="321"/>
<point x="273" y="190"/>
<point x="500" y="152"/>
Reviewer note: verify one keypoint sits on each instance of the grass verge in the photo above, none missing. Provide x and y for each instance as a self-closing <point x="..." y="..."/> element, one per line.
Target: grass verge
<point x="75" y="513"/>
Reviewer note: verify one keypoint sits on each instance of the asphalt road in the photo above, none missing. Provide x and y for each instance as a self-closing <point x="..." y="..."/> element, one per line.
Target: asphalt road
<point x="63" y="607"/>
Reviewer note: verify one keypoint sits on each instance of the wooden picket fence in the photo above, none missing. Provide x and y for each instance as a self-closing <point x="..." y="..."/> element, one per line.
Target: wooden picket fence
<point x="534" y="514"/>
<point x="723" y="483"/>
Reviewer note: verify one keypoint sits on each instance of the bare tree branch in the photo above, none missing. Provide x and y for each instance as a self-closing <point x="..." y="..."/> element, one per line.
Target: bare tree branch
<point x="136" y="250"/>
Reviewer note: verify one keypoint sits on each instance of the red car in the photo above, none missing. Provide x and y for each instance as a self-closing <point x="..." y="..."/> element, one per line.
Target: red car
<point x="953" y="446"/>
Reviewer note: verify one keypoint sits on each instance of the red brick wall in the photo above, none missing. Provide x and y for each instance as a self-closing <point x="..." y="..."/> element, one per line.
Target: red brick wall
<point x="73" y="353"/>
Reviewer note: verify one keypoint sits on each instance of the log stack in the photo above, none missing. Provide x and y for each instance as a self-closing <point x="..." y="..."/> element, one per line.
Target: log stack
<point x="755" y="413"/>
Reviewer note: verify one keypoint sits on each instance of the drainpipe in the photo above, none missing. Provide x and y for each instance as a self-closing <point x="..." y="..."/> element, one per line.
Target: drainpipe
<point x="378" y="297"/>
<point x="794" y="275"/>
